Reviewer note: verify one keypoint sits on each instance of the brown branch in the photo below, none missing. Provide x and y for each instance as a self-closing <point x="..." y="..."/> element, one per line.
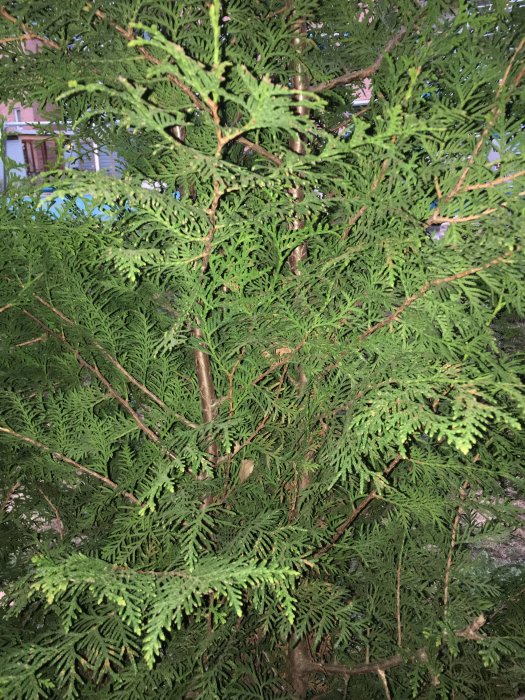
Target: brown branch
<point x="31" y="342"/>
<point x="470" y="632"/>
<point x="199" y="104"/>
<point x="59" y="523"/>
<point x="343" y="527"/>
<point x="297" y="145"/>
<point x="5" y="308"/>
<point x="9" y="495"/>
<point x="494" y="183"/>
<point x="144" y="389"/>
<point x="420" y="656"/>
<point x="384" y="682"/>
<point x="453" y="539"/>
<point x="362" y="73"/>
<point x="206" y="389"/>
<point x="28" y="34"/>
<point x="79" y="467"/>
<point x="260" y="150"/>
<point x="496" y="111"/>
<point x="429" y="285"/>
<point x="461" y="219"/>
<point x="150" y="434"/>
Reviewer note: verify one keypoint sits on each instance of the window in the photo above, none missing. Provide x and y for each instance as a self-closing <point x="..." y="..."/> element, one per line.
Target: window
<point x="17" y="114"/>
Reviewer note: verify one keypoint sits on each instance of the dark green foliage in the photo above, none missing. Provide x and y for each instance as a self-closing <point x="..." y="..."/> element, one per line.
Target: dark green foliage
<point x="364" y="415"/>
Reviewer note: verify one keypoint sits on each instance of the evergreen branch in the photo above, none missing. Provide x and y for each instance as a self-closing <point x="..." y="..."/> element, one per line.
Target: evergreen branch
<point x="496" y="111"/>
<point x="429" y="285"/>
<point x="144" y="389"/>
<point x="362" y="73"/>
<point x="128" y="35"/>
<point x="453" y="539"/>
<point x="71" y="462"/>
<point x="28" y="34"/>
<point x="343" y="527"/>
<point x="150" y="434"/>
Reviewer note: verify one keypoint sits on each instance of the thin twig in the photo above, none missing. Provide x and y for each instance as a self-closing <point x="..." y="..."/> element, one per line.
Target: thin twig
<point x="355" y="218"/>
<point x="260" y="150"/>
<point x="9" y="495"/>
<point x="494" y="183"/>
<point x="59" y="523"/>
<point x="430" y="285"/>
<point x="212" y="213"/>
<point x="496" y="111"/>
<point x="79" y="467"/>
<point x="343" y="527"/>
<point x="279" y="363"/>
<point x="31" y="342"/>
<point x="28" y="34"/>
<point x="258" y="429"/>
<point x="453" y="539"/>
<point x="384" y="682"/>
<point x="398" y="598"/>
<point x="362" y="73"/>
<point x="150" y="434"/>
<point x="144" y="389"/>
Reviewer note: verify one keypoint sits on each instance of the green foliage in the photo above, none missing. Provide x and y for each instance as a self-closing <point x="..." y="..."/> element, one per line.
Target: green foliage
<point x="330" y="502"/>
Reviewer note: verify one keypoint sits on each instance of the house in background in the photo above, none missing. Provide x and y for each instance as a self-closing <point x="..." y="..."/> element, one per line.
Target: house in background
<point x="28" y="142"/>
<point x="30" y="145"/>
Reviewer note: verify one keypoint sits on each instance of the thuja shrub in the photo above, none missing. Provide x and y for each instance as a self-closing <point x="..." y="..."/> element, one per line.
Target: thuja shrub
<point x="256" y="423"/>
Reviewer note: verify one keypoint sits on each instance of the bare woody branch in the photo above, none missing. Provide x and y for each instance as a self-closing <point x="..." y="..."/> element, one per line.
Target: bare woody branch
<point x="62" y="458"/>
<point x="430" y="285"/>
<point x="362" y="73"/>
